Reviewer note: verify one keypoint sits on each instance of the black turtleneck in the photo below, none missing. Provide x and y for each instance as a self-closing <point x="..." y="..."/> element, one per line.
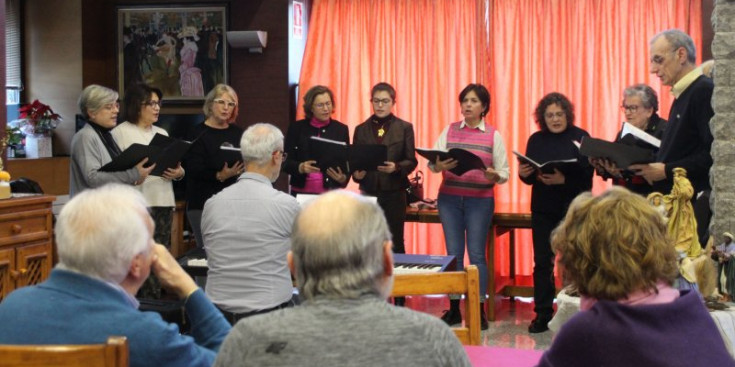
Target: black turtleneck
<point x="107" y="139"/>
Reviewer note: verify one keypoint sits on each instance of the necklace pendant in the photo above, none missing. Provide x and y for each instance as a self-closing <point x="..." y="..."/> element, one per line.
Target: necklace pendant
<point x="381" y="132"/>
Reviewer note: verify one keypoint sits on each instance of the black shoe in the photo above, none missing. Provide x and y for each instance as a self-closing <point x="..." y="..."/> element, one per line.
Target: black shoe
<point x="539" y="324"/>
<point x="452" y="317"/>
<point x="399" y="301"/>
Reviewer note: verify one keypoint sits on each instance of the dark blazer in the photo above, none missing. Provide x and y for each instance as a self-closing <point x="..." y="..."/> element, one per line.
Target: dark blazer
<point x="401" y="149"/>
<point x="297" y="146"/>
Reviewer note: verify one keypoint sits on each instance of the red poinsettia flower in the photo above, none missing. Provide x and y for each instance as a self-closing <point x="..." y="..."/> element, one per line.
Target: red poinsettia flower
<point x="38" y="118"/>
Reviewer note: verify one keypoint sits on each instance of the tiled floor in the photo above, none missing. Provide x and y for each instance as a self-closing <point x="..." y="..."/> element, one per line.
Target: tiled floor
<point x="510" y="328"/>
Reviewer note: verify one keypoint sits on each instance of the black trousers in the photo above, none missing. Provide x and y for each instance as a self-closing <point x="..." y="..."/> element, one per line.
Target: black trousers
<point x="544" y="288"/>
<point x="394" y="205"/>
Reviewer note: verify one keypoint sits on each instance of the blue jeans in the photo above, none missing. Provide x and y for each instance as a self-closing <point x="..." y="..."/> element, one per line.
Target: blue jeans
<point x="460" y="216"/>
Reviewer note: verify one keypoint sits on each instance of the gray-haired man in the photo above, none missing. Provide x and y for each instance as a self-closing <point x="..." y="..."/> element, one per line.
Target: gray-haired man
<point x="247" y="229"/>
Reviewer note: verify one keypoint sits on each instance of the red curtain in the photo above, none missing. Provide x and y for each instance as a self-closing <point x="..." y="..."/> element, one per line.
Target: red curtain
<point x="425" y="48"/>
<point x="520" y="49"/>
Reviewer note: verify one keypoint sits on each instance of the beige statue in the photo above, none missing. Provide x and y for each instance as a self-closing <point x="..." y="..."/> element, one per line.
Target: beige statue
<point x="682" y="223"/>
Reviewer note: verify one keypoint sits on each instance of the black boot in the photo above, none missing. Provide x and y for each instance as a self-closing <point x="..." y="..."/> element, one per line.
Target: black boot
<point x="539" y="324"/>
<point x="453" y="316"/>
<point x="483" y="319"/>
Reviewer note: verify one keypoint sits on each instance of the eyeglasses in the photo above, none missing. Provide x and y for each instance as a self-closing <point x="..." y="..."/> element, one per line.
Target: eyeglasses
<point x="379" y="102"/>
<point x="659" y="60"/>
<point x="112" y="106"/>
<point x="152" y="104"/>
<point x="551" y="115"/>
<point x="319" y="106"/>
<point x="630" y="108"/>
<point x="223" y="103"/>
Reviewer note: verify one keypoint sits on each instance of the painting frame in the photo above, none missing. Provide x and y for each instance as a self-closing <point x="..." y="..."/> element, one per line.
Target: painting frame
<point x="179" y="49"/>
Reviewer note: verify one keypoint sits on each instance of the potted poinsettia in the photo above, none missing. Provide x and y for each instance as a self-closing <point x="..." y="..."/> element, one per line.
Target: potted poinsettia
<point x="37" y="121"/>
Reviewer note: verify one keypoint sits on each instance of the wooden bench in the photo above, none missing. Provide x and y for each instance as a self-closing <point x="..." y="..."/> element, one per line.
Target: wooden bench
<point x="465" y="282"/>
<point x="502" y="223"/>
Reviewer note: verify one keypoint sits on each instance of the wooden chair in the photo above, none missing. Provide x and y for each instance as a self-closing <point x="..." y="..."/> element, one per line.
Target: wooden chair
<point x="114" y="353"/>
<point x="465" y="282"/>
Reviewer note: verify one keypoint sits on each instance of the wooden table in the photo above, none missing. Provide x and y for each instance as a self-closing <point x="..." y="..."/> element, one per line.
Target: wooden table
<point x="502" y="223"/>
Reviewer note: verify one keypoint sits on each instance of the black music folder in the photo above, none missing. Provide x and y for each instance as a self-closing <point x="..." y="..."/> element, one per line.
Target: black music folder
<point x="332" y="153"/>
<point x="164" y="151"/>
<point x="466" y="160"/>
<point x="548" y="166"/>
<point x="232" y="154"/>
<point x="622" y="155"/>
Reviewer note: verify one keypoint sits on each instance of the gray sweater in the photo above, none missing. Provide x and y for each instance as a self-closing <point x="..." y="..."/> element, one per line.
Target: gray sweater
<point x="342" y="332"/>
<point x="88" y="155"/>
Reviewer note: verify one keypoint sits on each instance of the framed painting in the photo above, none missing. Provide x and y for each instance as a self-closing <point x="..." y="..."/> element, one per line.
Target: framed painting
<point x="181" y="50"/>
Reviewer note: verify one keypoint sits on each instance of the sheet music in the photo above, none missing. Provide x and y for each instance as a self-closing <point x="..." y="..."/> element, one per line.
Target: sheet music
<point x="629" y="128"/>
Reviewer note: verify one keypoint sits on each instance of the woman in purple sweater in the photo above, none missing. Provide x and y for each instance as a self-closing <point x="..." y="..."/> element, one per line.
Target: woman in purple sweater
<point x="615" y="250"/>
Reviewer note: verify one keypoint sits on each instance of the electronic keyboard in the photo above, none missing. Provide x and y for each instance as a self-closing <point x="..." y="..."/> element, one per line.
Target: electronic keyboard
<point x="194" y="262"/>
<point x="412" y="264"/>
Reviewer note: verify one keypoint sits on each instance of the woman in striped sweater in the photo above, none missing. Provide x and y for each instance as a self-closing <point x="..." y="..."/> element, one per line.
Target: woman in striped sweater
<point x="466" y="203"/>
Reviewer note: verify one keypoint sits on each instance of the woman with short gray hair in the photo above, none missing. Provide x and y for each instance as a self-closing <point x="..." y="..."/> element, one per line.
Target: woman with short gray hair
<point x="640" y="105"/>
<point x="93" y="146"/>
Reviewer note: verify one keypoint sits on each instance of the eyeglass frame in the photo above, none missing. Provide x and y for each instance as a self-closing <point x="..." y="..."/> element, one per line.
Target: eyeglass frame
<point x="111" y="106"/>
<point x="319" y="106"/>
<point x="558" y="114"/>
<point x="378" y="102"/>
<point x="631" y="109"/>
<point x="158" y="103"/>
<point x="660" y="60"/>
<point x="284" y="154"/>
<point x="224" y="103"/>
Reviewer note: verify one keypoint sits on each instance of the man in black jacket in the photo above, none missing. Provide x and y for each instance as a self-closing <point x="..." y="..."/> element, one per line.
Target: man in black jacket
<point x="687" y="140"/>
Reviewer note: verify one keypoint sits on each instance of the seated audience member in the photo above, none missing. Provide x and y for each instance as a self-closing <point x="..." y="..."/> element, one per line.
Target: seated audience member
<point x="615" y="250"/>
<point x="106" y="251"/>
<point x="247" y="230"/>
<point x="342" y="259"/>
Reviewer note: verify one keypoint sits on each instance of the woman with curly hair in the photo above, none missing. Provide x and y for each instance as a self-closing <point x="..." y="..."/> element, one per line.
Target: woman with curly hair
<point x="615" y="249"/>
<point x="552" y="192"/>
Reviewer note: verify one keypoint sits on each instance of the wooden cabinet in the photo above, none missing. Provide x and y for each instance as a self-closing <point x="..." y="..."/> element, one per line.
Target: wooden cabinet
<point x="26" y="241"/>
